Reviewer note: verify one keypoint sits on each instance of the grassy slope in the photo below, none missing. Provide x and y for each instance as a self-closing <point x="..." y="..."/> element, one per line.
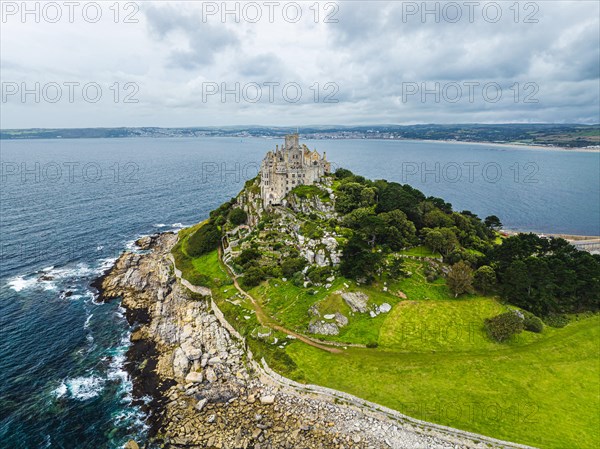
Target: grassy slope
<point x="544" y="393"/>
<point x="434" y="361"/>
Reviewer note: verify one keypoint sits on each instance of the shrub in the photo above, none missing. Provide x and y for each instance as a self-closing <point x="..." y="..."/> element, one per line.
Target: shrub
<point x="292" y="265"/>
<point x="237" y="216"/>
<point x="431" y="273"/>
<point x="247" y="257"/>
<point x="272" y="270"/>
<point x="372" y="344"/>
<point x="501" y="327"/>
<point x="253" y="277"/>
<point x="532" y="323"/>
<point x="318" y="275"/>
<point x="556" y="320"/>
<point x="298" y="279"/>
<point x="311" y="230"/>
<point x="342" y="173"/>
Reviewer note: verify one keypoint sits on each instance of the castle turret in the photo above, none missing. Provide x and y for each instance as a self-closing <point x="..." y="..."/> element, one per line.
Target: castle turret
<point x="291" y="141"/>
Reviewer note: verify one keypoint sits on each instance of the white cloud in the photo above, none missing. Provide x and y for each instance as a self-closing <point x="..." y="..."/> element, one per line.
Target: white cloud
<point x="369" y="53"/>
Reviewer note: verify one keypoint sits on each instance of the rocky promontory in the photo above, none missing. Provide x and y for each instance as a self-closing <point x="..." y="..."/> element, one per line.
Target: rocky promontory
<point x="206" y="390"/>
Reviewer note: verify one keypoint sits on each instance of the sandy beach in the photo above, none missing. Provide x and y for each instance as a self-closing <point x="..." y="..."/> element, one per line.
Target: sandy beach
<point x="516" y="145"/>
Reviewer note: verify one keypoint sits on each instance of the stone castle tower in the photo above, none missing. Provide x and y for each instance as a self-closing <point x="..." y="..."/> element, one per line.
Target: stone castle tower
<point x="287" y="167"/>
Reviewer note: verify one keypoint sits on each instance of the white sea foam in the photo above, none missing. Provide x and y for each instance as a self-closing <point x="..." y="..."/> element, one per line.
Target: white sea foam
<point x="116" y="369"/>
<point x="19" y="283"/>
<point x="87" y="321"/>
<point x="99" y="248"/>
<point x="79" y="270"/>
<point x="80" y="388"/>
<point x="105" y="264"/>
<point x="61" y="390"/>
<point x="160" y="225"/>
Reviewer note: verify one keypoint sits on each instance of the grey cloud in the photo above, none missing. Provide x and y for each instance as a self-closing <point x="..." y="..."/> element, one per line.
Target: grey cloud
<point x="204" y="40"/>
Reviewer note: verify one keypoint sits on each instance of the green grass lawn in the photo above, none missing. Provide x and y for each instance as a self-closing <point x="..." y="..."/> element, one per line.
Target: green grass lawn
<point x="543" y="393"/>
<point x="419" y="251"/>
<point x="444" y="325"/>
<point x="209" y="265"/>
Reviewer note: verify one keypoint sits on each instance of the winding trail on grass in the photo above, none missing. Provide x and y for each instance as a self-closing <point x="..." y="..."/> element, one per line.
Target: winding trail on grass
<point x="265" y="320"/>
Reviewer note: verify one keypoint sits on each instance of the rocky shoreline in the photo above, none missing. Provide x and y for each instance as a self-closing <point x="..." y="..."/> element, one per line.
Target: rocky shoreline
<point x="208" y="393"/>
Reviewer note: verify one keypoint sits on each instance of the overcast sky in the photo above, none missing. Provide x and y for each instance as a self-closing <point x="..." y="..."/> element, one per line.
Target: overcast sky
<point x="185" y="64"/>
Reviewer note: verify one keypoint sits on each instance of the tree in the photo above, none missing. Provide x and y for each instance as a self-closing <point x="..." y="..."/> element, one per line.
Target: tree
<point x="437" y="219"/>
<point x="238" y="216"/>
<point x="342" y="173"/>
<point x="460" y="278"/>
<point x="359" y="261"/>
<point x="484" y="279"/>
<point x="442" y="240"/>
<point x="493" y="222"/>
<point x="351" y="195"/>
<point x="400" y="231"/>
<point x="247" y="257"/>
<point x="394" y="196"/>
<point x="396" y="268"/>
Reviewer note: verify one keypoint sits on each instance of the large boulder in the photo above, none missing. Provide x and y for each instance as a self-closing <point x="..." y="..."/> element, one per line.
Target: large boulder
<point x="357" y="301"/>
<point x="191" y="352"/>
<point x="340" y="319"/>
<point x="323" y="328"/>
<point x="320" y="258"/>
<point x="181" y="364"/>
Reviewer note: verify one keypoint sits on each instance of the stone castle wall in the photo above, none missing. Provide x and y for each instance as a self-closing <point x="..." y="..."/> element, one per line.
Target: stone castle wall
<point x="288" y="167"/>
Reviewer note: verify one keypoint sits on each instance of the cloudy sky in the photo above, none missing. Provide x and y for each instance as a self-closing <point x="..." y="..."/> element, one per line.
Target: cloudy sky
<point x="298" y="63"/>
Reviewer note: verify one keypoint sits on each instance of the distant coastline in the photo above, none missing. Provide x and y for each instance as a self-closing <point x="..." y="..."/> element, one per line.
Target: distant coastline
<point x="534" y="136"/>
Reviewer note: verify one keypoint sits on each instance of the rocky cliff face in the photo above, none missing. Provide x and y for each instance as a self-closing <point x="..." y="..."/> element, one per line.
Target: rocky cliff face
<point x="249" y="199"/>
<point x="313" y="204"/>
<point x="207" y="393"/>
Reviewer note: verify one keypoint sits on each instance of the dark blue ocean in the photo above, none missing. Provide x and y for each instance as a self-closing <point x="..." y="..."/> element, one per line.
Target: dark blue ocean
<point x="69" y="207"/>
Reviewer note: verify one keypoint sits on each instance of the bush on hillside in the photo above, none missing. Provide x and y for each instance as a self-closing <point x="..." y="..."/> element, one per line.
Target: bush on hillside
<point x="484" y="279"/>
<point x="556" y="320"/>
<point x="237" y="216"/>
<point x="460" y="278"/>
<point x="318" y="275"/>
<point x="204" y="240"/>
<point x="501" y="327"/>
<point x="247" y="257"/>
<point x="253" y="276"/>
<point x="292" y="265"/>
<point x="532" y="323"/>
